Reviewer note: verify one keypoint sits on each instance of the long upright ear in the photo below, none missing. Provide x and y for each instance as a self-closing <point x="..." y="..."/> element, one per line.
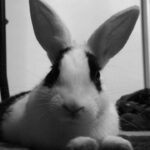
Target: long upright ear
<point x="49" y="29"/>
<point x="111" y="36"/>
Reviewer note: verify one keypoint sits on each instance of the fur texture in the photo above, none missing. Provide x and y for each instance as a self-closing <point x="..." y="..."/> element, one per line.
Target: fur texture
<point x="40" y="120"/>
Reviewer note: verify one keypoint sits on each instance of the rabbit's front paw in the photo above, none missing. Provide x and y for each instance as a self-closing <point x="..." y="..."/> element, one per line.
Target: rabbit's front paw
<point x="82" y="143"/>
<point x="115" y="143"/>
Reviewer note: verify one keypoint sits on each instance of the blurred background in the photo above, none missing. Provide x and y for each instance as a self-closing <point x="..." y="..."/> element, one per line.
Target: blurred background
<point x="28" y="63"/>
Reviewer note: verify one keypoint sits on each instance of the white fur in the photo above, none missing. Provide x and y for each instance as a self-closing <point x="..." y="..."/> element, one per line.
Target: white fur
<point x="74" y="67"/>
<point x="42" y="125"/>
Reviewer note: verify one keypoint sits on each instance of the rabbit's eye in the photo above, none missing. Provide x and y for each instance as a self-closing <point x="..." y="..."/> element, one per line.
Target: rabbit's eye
<point x="97" y="76"/>
<point x="96" y="80"/>
<point x="53" y="75"/>
<point x="94" y="71"/>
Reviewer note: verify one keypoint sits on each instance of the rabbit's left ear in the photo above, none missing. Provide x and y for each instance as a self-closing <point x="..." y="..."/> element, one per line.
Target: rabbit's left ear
<point x="111" y="36"/>
<point x="50" y="31"/>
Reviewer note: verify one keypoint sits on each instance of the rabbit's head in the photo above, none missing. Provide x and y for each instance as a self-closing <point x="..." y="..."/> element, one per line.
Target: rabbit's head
<point x="73" y="87"/>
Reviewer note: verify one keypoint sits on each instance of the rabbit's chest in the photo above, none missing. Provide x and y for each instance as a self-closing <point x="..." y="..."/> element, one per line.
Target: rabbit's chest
<point x="57" y="134"/>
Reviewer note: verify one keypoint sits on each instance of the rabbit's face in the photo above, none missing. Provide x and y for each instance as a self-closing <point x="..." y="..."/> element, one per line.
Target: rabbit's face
<point x="75" y="87"/>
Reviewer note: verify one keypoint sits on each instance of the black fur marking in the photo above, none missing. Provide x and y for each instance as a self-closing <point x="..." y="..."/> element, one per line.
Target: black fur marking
<point x="53" y="75"/>
<point x="6" y="104"/>
<point x="94" y="71"/>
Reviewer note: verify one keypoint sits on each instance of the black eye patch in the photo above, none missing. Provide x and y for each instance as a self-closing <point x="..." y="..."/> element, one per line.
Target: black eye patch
<point x="94" y="70"/>
<point x="53" y="75"/>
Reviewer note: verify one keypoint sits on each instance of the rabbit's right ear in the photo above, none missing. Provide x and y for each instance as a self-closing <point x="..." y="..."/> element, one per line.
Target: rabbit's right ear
<point x="49" y="29"/>
<point x="111" y="36"/>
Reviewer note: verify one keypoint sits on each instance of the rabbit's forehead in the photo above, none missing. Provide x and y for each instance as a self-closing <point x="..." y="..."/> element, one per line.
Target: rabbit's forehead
<point x="74" y="64"/>
<point x="74" y="69"/>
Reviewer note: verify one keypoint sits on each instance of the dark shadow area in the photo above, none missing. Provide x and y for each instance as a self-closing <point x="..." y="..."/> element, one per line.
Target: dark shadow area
<point x="134" y="111"/>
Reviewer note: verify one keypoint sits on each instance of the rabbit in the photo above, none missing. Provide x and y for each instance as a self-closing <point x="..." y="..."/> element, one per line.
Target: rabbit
<point x="69" y="109"/>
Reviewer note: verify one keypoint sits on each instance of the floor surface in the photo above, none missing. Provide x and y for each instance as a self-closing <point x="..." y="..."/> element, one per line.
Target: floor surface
<point x="139" y="140"/>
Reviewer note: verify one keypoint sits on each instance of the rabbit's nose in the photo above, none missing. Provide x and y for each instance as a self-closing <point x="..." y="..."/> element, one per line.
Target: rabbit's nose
<point x="73" y="110"/>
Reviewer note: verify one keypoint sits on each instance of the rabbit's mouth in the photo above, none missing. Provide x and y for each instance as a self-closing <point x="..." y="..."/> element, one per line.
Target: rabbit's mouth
<point x="73" y="112"/>
<point x="73" y="116"/>
<point x="78" y="119"/>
